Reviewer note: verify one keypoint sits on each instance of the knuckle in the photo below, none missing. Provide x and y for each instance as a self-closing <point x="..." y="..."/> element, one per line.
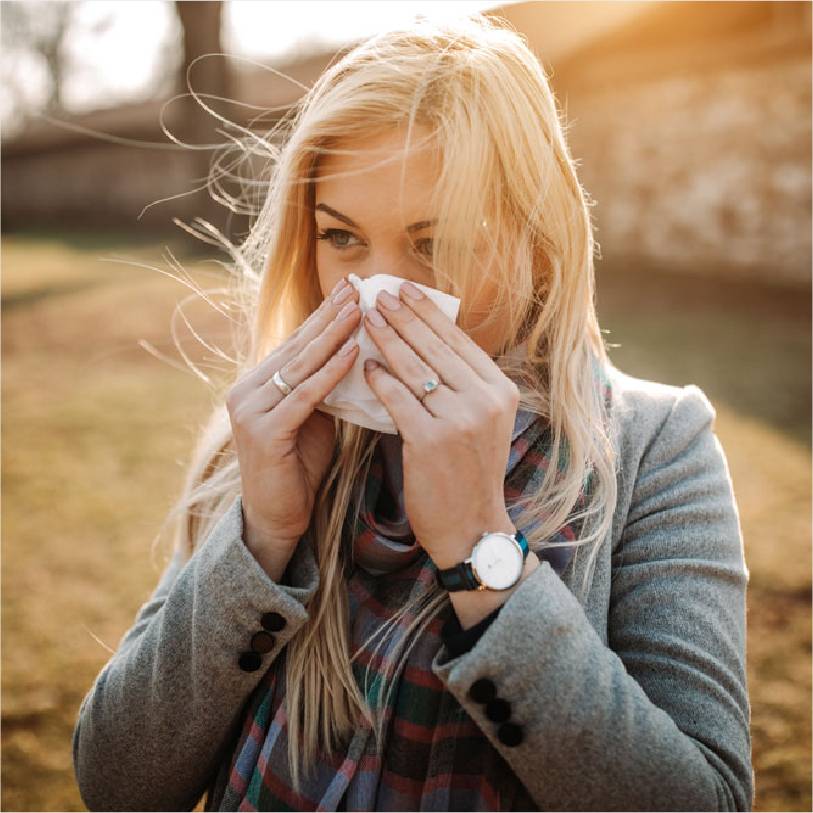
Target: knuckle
<point x="292" y="370"/>
<point x="493" y="409"/>
<point x="293" y="347"/>
<point x="403" y="315"/>
<point x="297" y="338"/>
<point x="332" y="314"/>
<point x="233" y="398"/>
<point x="449" y="431"/>
<point x="416" y="371"/>
<point x="238" y="417"/>
<point x="467" y="427"/>
<point x="305" y="387"/>
<point x="273" y="360"/>
<point x="383" y="335"/>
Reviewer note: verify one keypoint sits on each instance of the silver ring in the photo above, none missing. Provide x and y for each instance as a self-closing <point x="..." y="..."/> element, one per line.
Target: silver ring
<point x="284" y="386"/>
<point x="428" y="386"/>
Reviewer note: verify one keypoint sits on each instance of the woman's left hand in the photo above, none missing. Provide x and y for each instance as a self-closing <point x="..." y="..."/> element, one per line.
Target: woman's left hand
<point x="457" y="439"/>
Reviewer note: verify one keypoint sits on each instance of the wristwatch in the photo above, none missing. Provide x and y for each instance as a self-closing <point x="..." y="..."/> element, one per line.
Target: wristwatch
<point x="496" y="563"/>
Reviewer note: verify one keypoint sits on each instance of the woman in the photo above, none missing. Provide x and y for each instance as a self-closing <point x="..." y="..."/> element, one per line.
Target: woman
<point x="318" y="640"/>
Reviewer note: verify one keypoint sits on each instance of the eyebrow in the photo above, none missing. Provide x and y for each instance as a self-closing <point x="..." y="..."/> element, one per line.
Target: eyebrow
<point x="323" y="207"/>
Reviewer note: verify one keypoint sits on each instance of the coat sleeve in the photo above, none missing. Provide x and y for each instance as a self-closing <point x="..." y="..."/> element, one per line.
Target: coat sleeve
<point x="150" y="731"/>
<point x="660" y="718"/>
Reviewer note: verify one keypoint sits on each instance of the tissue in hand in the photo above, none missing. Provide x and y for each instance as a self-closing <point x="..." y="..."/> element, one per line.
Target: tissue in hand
<point x="351" y="399"/>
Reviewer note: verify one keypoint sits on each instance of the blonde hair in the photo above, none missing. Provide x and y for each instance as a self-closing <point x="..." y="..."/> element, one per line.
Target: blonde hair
<point x="505" y="165"/>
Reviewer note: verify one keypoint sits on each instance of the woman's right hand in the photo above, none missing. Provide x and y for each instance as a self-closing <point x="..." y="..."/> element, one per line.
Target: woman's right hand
<point x="284" y="445"/>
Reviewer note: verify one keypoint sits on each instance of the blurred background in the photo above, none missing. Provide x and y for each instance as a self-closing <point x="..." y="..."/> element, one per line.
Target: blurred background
<point x="691" y="125"/>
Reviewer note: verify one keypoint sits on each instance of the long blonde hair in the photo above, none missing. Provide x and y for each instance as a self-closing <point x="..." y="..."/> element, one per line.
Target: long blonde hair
<point x="506" y="177"/>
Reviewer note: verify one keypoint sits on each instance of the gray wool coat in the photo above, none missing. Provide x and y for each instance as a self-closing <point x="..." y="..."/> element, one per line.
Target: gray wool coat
<point x="635" y="699"/>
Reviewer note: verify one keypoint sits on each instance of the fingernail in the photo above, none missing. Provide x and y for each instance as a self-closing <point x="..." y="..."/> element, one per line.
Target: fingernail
<point x="376" y="318"/>
<point x="347" y="310"/>
<point x="347" y="347"/>
<point x="412" y="291"/>
<point x="370" y="364"/>
<point x="343" y="294"/>
<point x="339" y="285"/>
<point x="388" y="300"/>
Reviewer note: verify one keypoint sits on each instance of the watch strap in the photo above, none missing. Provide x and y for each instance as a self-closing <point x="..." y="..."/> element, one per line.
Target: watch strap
<point x="523" y="543"/>
<point x="459" y="577"/>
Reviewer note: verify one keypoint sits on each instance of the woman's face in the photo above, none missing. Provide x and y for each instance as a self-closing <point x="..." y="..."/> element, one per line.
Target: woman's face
<point x="360" y="228"/>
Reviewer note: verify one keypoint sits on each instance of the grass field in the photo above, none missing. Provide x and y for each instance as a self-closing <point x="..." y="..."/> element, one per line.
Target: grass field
<point x="95" y="432"/>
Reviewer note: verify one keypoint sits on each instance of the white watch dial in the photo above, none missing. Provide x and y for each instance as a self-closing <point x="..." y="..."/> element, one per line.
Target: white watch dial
<point x="498" y="561"/>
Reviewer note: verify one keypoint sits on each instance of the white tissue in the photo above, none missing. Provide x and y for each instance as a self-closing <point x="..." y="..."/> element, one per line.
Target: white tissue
<point x="351" y="399"/>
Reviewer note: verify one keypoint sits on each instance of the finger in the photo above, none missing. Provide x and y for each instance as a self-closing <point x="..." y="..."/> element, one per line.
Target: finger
<point x="401" y="360"/>
<point x="302" y="366"/>
<point x="406" y="411"/>
<point x="455" y="338"/>
<point x="316" y="323"/>
<point x="295" y="408"/>
<point x="408" y="340"/>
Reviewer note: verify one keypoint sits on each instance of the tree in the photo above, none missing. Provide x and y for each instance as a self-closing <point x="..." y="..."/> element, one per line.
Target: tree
<point x="34" y="33"/>
<point x="201" y="23"/>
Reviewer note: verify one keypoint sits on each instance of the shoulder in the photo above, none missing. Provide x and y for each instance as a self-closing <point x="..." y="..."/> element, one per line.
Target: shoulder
<point x="647" y="413"/>
<point x="672" y="468"/>
<point x="668" y="454"/>
<point x="676" y="494"/>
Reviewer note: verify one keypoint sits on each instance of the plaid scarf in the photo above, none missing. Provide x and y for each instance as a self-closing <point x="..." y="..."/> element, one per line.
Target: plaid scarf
<point x="436" y="757"/>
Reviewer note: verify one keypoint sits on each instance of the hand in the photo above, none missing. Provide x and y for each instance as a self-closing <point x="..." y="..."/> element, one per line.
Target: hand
<point x="284" y="445"/>
<point x="457" y="440"/>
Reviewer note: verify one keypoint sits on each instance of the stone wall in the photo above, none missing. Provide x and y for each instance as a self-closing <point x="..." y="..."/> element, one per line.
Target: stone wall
<point x="703" y="172"/>
<point x="95" y="185"/>
<point x="700" y="162"/>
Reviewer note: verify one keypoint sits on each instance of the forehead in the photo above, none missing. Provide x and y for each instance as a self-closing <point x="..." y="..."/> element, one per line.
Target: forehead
<point x="369" y="176"/>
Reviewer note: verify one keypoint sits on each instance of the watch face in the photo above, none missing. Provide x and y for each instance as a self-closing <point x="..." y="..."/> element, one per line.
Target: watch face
<point x="498" y="561"/>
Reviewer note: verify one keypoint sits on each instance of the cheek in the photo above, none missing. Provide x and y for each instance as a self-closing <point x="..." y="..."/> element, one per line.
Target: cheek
<point x="327" y="273"/>
<point x="482" y="304"/>
<point x="476" y="312"/>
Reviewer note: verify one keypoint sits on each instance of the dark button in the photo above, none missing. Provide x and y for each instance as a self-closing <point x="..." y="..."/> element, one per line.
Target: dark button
<point x="498" y="710"/>
<point x="482" y="690"/>
<point x="273" y="622"/>
<point x="510" y="734"/>
<point x="250" y="661"/>
<point x="262" y="642"/>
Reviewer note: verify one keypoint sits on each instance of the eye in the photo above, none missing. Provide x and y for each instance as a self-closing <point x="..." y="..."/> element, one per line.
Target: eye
<point x="337" y="238"/>
<point x="424" y="247"/>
